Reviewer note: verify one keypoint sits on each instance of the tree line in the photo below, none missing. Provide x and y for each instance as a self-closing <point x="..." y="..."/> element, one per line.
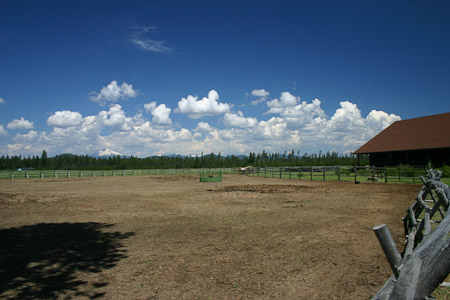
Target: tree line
<point x="212" y="160"/>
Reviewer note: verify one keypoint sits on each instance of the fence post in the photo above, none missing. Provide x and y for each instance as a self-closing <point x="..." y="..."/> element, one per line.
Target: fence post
<point x="68" y="174"/>
<point x="54" y="174"/>
<point x="11" y="176"/>
<point x="311" y="173"/>
<point x="339" y="173"/>
<point x="389" y="247"/>
<point x="26" y="175"/>
<point x="385" y="175"/>
<point x="373" y="173"/>
<point x="42" y="175"/>
<point x="323" y="169"/>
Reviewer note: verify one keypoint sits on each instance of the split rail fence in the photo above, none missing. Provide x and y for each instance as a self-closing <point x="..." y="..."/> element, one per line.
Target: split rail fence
<point x="425" y="260"/>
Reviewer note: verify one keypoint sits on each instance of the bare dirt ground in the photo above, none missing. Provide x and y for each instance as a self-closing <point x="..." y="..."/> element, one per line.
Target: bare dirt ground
<point x="173" y="237"/>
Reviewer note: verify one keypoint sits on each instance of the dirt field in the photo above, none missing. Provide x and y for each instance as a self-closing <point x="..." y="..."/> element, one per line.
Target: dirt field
<point x="173" y="237"/>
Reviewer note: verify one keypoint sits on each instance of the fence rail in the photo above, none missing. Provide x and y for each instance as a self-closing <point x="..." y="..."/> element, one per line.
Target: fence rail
<point x="336" y="173"/>
<point x="425" y="261"/>
<point x="30" y="174"/>
<point x="344" y="173"/>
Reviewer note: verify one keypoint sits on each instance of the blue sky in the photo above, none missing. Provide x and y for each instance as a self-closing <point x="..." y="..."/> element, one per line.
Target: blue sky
<point x="160" y="77"/>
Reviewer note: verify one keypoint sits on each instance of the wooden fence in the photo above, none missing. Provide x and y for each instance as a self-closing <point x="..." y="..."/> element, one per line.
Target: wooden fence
<point x="425" y="260"/>
<point x="29" y="174"/>
<point x="344" y="173"/>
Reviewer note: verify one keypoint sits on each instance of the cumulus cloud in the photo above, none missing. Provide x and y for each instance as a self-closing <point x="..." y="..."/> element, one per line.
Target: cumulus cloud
<point x="203" y="127"/>
<point x="116" y="117"/>
<point x="3" y="131"/>
<point x="207" y="106"/>
<point x="277" y="106"/>
<point x="31" y="136"/>
<point x="238" y="120"/>
<point x="295" y="124"/>
<point x="20" y="124"/>
<point x="140" y="37"/>
<point x="149" y="107"/>
<point x="379" y="120"/>
<point x="161" y="115"/>
<point x="262" y="94"/>
<point x="65" y="118"/>
<point x="113" y="93"/>
<point x="2" y="101"/>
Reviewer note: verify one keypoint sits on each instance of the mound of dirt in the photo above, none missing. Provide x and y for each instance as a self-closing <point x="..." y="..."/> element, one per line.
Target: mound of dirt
<point x="266" y="188"/>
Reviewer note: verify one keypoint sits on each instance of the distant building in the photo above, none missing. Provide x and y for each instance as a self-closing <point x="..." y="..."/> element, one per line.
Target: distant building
<point x="415" y="141"/>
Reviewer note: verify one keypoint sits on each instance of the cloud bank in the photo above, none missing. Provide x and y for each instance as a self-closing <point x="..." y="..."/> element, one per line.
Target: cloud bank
<point x="287" y="123"/>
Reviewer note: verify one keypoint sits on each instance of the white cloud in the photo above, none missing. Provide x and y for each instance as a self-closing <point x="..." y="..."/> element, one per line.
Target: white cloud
<point x="149" y="107"/>
<point x="207" y="106"/>
<point x="116" y="117"/>
<point x="65" y="118"/>
<point x="203" y="127"/>
<point x="21" y="124"/>
<point x="161" y="115"/>
<point x="2" y="101"/>
<point x="3" y="131"/>
<point x="139" y="37"/>
<point x="379" y="120"/>
<point x="262" y="93"/>
<point x="31" y="136"/>
<point x="238" y="120"/>
<point x="286" y="100"/>
<point x="295" y="125"/>
<point x="113" y="93"/>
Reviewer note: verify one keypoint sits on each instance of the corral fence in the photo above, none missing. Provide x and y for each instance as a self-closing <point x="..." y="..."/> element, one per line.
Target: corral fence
<point x="425" y="260"/>
<point x="402" y="174"/>
<point x="358" y="174"/>
<point x="29" y="174"/>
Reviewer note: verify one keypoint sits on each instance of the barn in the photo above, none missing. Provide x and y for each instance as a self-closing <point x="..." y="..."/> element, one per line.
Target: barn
<point x="416" y="142"/>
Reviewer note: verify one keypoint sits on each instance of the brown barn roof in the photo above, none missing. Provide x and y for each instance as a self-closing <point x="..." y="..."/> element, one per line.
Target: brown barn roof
<point x="429" y="132"/>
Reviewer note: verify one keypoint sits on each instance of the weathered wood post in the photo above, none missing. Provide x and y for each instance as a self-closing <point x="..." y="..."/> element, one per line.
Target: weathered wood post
<point x="339" y="173"/>
<point x="311" y="173"/>
<point x="385" y="175"/>
<point x="389" y="248"/>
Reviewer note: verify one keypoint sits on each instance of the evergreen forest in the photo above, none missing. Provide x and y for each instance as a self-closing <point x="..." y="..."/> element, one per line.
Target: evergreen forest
<point x="212" y="160"/>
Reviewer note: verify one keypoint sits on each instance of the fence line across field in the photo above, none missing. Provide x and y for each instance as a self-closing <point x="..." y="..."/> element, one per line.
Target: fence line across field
<point x="344" y="173"/>
<point x="336" y="173"/>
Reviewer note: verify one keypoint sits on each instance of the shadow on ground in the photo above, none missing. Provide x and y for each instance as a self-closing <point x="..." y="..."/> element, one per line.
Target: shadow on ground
<point x="42" y="260"/>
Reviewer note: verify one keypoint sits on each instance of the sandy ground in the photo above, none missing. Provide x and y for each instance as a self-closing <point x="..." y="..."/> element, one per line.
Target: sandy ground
<point x="173" y="237"/>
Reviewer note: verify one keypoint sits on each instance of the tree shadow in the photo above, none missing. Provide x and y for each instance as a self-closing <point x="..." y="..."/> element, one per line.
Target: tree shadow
<point x="39" y="261"/>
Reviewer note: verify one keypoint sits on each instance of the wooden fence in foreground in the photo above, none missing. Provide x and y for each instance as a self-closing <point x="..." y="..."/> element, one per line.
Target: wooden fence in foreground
<point x="425" y="261"/>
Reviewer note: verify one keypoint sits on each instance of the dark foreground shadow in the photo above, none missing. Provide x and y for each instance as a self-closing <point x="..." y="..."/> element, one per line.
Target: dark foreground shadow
<point x="40" y="261"/>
